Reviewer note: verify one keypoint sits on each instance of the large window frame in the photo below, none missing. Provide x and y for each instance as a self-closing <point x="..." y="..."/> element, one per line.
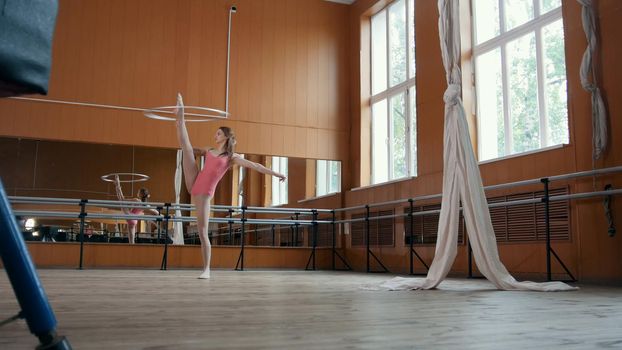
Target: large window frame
<point x="542" y="18"/>
<point x="385" y="155"/>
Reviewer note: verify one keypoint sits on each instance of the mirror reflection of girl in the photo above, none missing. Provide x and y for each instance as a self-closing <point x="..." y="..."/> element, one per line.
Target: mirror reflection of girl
<point x="142" y="196"/>
<point x="202" y="184"/>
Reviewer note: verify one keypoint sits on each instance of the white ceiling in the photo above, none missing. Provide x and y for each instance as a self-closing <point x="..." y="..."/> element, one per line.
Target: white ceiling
<point x="347" y="2"/>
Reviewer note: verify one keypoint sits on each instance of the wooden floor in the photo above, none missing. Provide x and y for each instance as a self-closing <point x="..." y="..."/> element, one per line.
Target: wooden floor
<point x="150" y="309"/>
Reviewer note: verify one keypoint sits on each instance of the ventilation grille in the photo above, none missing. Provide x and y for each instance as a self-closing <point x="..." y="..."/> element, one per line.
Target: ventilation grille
<point x="289" y="237"/>
<point x="324" y="235"/>
<point x="525" y="223"/>
<point x="380" y="231"/>
<point x="426" y="226"/>
<point x="516" y="223"/>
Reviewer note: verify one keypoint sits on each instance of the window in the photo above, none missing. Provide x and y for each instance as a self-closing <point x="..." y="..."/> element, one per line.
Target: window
<point x="241" y="193"/>
<point x="393" y="101"/>
<point x="327" y="177"/>
<point x="279" y="189"/>
<point x="520" y="76"/>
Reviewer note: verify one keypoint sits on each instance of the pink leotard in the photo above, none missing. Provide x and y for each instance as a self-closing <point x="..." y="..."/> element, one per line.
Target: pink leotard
<point x="134" y="211"/>
<point x="214" y="169"/>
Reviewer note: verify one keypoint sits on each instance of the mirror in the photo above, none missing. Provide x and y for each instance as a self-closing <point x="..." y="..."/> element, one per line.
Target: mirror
<point x="58" y="169"/>
<point x="306" y="178"/>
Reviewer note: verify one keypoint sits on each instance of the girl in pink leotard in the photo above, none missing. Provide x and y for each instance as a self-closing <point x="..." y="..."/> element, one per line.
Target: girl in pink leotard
<point x="202" y="184"/>
<point x="143" y="195"/>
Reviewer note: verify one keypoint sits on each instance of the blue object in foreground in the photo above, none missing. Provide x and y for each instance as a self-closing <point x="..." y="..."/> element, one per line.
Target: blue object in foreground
<point x="26" y="285"/>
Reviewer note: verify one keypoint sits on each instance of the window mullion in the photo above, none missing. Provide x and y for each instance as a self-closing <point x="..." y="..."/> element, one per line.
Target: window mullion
<point x="507" y="126"/>
<point x="388" y="47"/>
<point x="408" y="76"/>
<point x="407" y="29"/>
<point x="393" y="91"/>
<point x="330" y="176"/>
<point x="389" y="138"/>
<point x="408" y="141"/>
<point x="501" y="16"/>
<point x="541" y="89"/>
<point x="328" y="173"/>
<point x="388" y="119"/>
<point x="373" y="155"/>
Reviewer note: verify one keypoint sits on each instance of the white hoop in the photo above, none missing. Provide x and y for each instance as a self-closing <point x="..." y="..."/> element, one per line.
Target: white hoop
<point x="156" y="113"/>
<point x="134" y="177"/>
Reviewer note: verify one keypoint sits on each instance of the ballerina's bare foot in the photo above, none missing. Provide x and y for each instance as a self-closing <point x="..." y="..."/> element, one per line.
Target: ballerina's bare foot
<point x="205" y="275"/>
<point x="179" y="108"/>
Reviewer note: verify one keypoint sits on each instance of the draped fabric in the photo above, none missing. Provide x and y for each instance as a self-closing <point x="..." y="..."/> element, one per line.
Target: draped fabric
<point x="462" y="182"/>
<point x="589" y="82"/>
<point x="178" y="229"/>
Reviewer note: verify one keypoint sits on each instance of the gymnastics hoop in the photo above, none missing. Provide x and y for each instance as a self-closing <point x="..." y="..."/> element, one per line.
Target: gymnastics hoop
<point x="134" y="177"/>
<point x="156" y="113"/>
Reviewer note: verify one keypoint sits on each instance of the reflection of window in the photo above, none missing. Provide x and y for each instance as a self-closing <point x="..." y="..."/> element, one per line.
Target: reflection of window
<point x="241" y="184"/>
<point x="393" y="101"/>
<point x="30" y="224"/>
<point x="327" y="177"/>
<point x="520" y="76"/>
<point x="279" y="189"/>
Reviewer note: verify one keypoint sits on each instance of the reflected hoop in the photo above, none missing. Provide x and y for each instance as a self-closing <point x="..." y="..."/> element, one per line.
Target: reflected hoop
<point x="197" y="114"/>
<point x="125" y="177"/>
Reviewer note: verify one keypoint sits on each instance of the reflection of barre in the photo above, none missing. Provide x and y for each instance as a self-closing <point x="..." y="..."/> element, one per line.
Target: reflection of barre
<point x="75" y="215"/>
<point x="238" y="228"/>
<point x="287" y="226"/>
<point x="42" y="200"/>
<point x="235" y="233"/>
<point x="89" y="202"/>
<point x="171" y="206"/>
<point x="252" y="221"/>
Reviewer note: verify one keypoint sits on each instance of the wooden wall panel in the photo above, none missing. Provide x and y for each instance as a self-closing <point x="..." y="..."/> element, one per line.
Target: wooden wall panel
<point x="104" y="255"/>
<point x="73" y="170"/>
<point x="139" y="53"/>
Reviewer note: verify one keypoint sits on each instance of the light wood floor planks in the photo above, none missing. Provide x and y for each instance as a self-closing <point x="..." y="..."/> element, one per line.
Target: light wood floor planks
<point x="150" y="309"/>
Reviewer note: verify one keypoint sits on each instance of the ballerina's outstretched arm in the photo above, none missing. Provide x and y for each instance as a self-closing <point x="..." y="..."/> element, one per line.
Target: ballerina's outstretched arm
<point x="238" y="160"/>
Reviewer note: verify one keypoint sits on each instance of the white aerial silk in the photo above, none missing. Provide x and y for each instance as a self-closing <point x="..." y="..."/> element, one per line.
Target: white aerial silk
<point x="178" y="229"/>
<point x="589" y="82"/>
<point x="462" y="181"/>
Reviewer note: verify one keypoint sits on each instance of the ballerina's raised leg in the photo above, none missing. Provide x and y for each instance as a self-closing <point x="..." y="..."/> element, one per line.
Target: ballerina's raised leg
<point x="190" y="175"/>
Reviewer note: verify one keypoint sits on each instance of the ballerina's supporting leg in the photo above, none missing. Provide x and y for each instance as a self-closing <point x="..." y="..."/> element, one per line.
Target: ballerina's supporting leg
<point x="131" y="233"/>
<point x="203" y="213"/>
